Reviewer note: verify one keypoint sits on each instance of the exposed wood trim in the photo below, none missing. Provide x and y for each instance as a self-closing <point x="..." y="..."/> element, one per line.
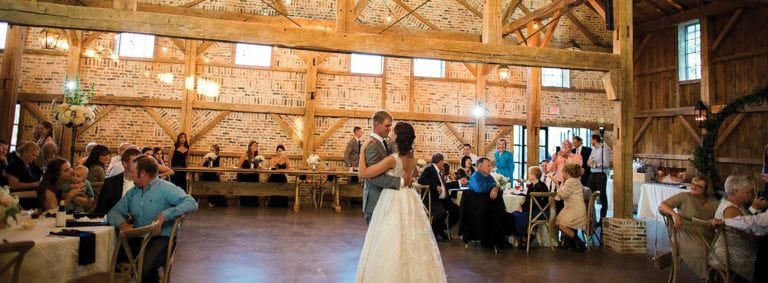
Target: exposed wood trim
<point x="540" y="14"/>
<point x="509" y="10"/>
<point x="744" y="161"/>
<point x="470" y="8"/>
<point x="287" y="129"/>
<point x="689" y="128"/>
<point x="329" y="132"/>
<point x="455" y="132"/>
<point x="189" y="95"/>
<point x="471" y="69"/>
<point x="706" y="82"/>
<point x="656" y="71"/>
<point x="10" y="77"/>
<point x="727" y="29"/>
<point x="192" y="3"/>
<point x="416" y="14"/>
<point x="249" y="108"/>
<point x="625" y="110"/>
<point x="639" y="133"/>
<point x="740" y="56"/>
<point x="360" y="7"/>
<point x="160" y="122"/>
<point x="204" y="46"/>
<point x="597" y="6"/>
<point x="209" y="126"/>
<point x="722" y="137"/>
<point x="103" y="113"/>
<point x="675" y="5"/>
<point x="713" y="8"/>
<point x="345" y="15"/>
<point x="550" y="31"/>
<point x="105" y="100"/>
<point x="63" y="16"/>
<point x="583" y="29"/>
<point x="664" y="156"/>
<point x="91" y="39"/>
<point x="35" y="111"/>
<point x="611" y="92"/>
<point x="384" y="86"/>
<point x="666" y="112"/>
<point x="502" y="132"/>
<point x="179" y="44"/>
<point x="643" y="44"/>
<point x="491" y="33"/>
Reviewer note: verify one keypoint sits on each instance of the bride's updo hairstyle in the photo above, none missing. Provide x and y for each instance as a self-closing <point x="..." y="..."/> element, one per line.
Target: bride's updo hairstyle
<point x="405" y="136"/>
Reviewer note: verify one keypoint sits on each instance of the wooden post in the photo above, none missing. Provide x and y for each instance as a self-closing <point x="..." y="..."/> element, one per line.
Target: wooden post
<point x="492" y="22"/>
<point x="9" y="76"/>
<point x="309" y="114"/>
<point x="190" y="83"/>
<point x="623" y="147"/>
<point x="480" y="97"/>
<point x="73" y="69"/>
<point x="706" y="60"/>
<point x="533" y="90"/>
<point x="345" y="15"/>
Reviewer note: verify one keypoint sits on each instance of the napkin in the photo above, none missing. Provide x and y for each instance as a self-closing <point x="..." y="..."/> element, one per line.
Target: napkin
<point x="87" y="249"/>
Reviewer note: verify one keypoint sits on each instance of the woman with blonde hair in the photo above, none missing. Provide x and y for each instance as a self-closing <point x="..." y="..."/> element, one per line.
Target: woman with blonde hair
<point x="573" y="217"/>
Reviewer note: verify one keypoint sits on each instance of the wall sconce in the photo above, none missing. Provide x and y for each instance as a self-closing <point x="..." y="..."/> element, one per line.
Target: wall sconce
<point x="52" y="39"/>
<point x="503" y="73"/>
<point x="700" y="112"/>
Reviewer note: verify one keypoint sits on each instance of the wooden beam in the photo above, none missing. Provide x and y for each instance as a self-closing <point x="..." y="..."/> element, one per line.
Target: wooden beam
<point x="209" y="126"/>
<point x="383" y="104"/>
<point x="128" y="5"/>
<point x="509" y="10"/>
<point x="471" y="68"/>
<point x="103" y="113"/>
<point x="623" y="145"/>
<point x="416" y="14"/>
<point x="597" y="6"/>
<point x="583" y="29"/>
<point x="550" y="31"/>
<point x="289" y="131"/>
<point x="643" y="44"/>
<point x="455" y="132"/>
<point x="192" y="3"/>
<point x="675" y="5"/>
<point x="713" y="8"/>
<point x="470" y="8"/>
<point x="189" y="96"/>
<point x="656" y="7"/>
<point x="492" y="144"/>
<point x="204" y="46"/>
<point x="706" y="83"/>
<point x="248" y="108"/>
<point x="689" y="128"/>
<point x="36" y="111"/>
<point x="721" y="138"/>
<point x="310" y="94"/>
<point x="664" y="156"/>
<point x="645" y="125"/>
<point x="745" y="161"/>
<point x="161" y="122"/>
<point x="63" y="16"/>
<point x="280" y="7"/>
<point x="541" y="13"/>
<point x="180" y="44"/>
<point x="727" y="29"/>
<point x="345" y="15"/>
<point x="492" y="22"/>
<point x="359" y="7"/>
<point x="533" y="96"/>
<point x="480" y="98"/>
<point x="611" y="91"/>
<point x="329" y="132"/>
<point x="91" y="39"/>
<point x="411" y="89"/>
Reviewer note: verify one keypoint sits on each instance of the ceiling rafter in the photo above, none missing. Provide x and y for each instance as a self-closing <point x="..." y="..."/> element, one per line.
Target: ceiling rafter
<point x="416" y="14"/>
<point x="470" y="8"/>
<point x="541" y="13"/>
<point x="360" y="7"/>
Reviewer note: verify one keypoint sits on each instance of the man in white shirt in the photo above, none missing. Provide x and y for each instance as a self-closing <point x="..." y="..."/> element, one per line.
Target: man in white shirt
<point x="442" y="206"/>
<point x="115" y="166"/>
<point x="546" y="177"/>
<point x="115" y="187"/>
<point x="466" y="150"/>
<point x="600" y="164"/>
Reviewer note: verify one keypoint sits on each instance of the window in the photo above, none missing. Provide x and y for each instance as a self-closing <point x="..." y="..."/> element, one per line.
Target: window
<point x="553" y="77"/>
<point x="3" y="33"/>
<point x="135" y="45"/>
<point x="429" y="68"/>
<point x="689" y="54"/>
<point x="367" y="64"/>
<point x="15" y="129"/>
<point x="253" y="55"/>
<point x="520" y="149"/>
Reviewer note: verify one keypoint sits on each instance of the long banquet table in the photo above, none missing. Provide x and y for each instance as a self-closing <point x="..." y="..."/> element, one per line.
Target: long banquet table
<point x="264" y="189"/>
<point x="54" y="258"/>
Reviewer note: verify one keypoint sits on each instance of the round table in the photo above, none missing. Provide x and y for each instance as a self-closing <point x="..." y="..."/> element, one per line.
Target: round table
<point x="54" y="258"/>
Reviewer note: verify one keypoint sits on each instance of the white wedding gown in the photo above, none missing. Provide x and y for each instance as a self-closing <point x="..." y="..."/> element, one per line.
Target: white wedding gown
<point x="399" y="245"/>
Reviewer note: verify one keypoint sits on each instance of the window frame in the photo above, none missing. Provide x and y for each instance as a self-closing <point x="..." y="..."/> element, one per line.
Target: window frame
<point x="381" y="72"/>
<point x="271" y="56"/>
<point x="442" y="68"/>
<point x="682" y="51"/>
<point x="117" y="46"/>
<point x="562" y="79"/>
<point x="4" y="34"/>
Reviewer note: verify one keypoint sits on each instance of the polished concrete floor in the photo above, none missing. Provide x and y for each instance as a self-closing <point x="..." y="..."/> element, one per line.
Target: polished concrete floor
<point x="318" y="245"/>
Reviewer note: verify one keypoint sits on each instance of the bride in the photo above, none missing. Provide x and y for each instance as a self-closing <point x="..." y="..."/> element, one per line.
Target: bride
<point x="399" y="245"/>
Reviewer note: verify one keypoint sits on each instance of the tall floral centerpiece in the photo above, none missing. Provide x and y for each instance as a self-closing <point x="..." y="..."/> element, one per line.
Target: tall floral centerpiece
<point x="9" y="206"/>
<point x="313" y="160"/>
<point x="501" y="180"/>
<point x="74" y="110"/>
<point x="420" y="165"/>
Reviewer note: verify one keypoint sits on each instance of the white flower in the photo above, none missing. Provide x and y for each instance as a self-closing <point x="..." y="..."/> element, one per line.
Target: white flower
<point x="501" y="180"/>
<point x="421" y="163"/>
<point x="210" y="156"/>
<point x="313" y="159"/>
<point x="259" y="158"/>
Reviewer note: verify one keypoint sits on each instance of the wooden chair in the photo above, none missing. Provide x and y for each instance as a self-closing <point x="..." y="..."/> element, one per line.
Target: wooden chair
<point x="135" y="263"/>
<point x="674" y="239"/>
<point x="423" y="190"/>
<point x="14" y="265"/>
<point x="721" y="264"/>
<point x="542" y="218"/>
<point x="172" y="245"/>
<point x="589" y="233"/>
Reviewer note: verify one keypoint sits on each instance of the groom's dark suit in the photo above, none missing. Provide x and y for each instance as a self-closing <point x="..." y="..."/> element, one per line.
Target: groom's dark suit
<point x="432" y="178"/>
<point x="374" y="153"/>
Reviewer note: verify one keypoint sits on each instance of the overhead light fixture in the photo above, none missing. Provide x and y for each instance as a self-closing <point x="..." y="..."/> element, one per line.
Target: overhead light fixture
<point x="700" y="112"/>
<point x="389" y="18"/>
<point x="479" y="110"/>
<point x="503" y="73"/>
<point x="573" y="46"/>
<point x="53" y="39"/>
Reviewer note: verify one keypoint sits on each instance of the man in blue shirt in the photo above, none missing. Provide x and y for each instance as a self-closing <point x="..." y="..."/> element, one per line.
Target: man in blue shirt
<point x="150" y="199"/>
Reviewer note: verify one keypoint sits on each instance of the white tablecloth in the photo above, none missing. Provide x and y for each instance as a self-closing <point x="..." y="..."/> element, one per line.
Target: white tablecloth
<point x="54" y="258"/>
<point x="651" y="196"/>
<point x="511" y="204"/>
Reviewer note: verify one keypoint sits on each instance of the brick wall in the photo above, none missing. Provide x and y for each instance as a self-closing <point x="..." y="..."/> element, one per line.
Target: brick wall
<point x="624" y="235"/>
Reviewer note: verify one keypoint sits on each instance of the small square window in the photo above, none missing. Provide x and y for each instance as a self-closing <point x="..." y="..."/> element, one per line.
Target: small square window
<point x="253" y="55"/>
<point x="3" y="34"/>
<point x="429" y="68"/>
<point x="135" y="45"/>
<point x="553" y="77"/>
<point x="367" y="64"/>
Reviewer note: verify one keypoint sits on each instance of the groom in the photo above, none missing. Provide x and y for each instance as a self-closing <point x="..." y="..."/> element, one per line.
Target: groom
<point x="377" y="150"/>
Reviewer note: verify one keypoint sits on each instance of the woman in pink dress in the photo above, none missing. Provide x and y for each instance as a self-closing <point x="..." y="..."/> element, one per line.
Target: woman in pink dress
<point x="564" y="156"/>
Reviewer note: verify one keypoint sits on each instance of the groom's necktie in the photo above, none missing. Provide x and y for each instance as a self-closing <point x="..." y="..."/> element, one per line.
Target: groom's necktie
<point x="385" y="146"/>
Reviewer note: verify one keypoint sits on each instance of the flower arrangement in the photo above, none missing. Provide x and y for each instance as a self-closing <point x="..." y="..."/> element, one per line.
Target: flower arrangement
<point x="258" y="159"/>
<point x="9" y="205"/>
<point x="501" y="180"/>
<point x="74" y="110"/>
<point x="313" y="160"/>
<point x="210" y="157"/>
<point x="421" y="164"/>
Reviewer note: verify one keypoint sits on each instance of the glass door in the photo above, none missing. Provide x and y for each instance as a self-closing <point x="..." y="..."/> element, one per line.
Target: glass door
<point x="520" y="150"/>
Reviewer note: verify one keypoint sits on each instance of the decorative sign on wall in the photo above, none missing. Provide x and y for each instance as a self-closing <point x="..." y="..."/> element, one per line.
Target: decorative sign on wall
<point x="554" y="110"/>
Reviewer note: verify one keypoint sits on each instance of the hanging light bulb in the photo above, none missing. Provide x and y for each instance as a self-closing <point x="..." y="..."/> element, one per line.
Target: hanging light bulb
<point x="89" y="53"/>
<point x="389" y="18"/>
<point x="287" y="2"/>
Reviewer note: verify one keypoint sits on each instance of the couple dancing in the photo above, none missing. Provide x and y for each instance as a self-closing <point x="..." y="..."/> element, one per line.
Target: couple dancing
<point x="399" y="245"/>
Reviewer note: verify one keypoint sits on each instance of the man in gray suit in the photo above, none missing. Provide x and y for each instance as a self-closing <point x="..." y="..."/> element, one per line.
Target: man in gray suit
<point x="352" y="152"/>
<point x="376" y="151"/>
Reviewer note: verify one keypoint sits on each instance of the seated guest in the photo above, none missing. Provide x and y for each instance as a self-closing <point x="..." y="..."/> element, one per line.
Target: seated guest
<point x="546" y="177"/>
<point x="96" y="163"/>
<point x="697" y="203"/>
<point x="48" y="152"/>
<point x="573" y="217"/>
<point x="523" y="213"/>
<point x="3" y="162"/>
<point x="57" y="173"/>
<point x="211" y="159"/>
<point x="115" y="165"/>
<point x="466" y="170"/>
<point x="742" y="251"/>
<point x="753" y="225"/>
<point x="442" y="206"/>
<point x="466" y="150"/>
<point x="248" y="161"/>
<point x="88" y="148"/>
<point x="115" y="187"/>
<point x="23" y="174"/>
<point x="482" y="209"/>
<point x="151" y="199"/>
<point x="278" y="162"/>
<point x="83" y="201"/>
<point x="147" y="151"/>
<point x="164" y="171"/>
<point x="157" y="153"/>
